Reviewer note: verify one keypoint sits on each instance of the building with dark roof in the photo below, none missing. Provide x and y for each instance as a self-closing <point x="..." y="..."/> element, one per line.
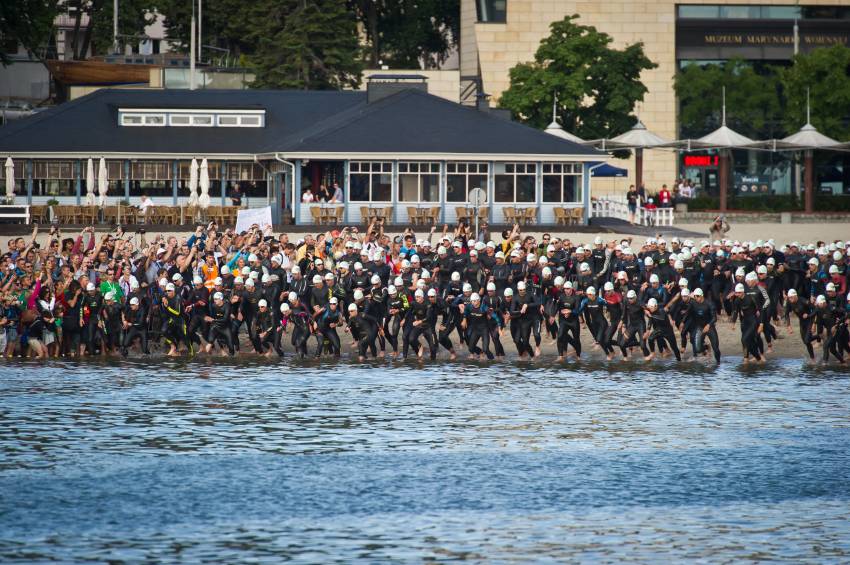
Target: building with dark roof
<point x="393" y="147"/>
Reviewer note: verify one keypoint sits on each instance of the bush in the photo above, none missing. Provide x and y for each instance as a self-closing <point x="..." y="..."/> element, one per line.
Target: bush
<point x="831" y="203"/>
<point x="766" y="203"/>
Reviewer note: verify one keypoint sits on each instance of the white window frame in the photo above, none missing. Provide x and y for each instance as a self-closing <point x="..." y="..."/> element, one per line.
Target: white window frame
<point x="187" y="117"/>
<point x="466" y="170"/>
<point x="418" y="169"/>
<point x="561" y="171"/>
<point x="372" y="169"/>
<point x="140" y="117"/>
<point x="201" y="116"/>
<point x="517" y="169"/>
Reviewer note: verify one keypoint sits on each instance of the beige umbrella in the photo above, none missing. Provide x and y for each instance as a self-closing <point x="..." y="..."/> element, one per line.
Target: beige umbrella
<point x="102" y="182"/>
<point x="10" y="178"/>
<point x="90" y="182"/>
<point x="193" y="183"/>
<point x="204" y="200"/>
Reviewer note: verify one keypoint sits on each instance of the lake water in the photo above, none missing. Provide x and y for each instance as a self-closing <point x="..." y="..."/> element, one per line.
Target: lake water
<point x="167" y="461"/>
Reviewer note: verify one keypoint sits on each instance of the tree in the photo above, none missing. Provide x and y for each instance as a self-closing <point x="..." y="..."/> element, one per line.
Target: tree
<point x="826" y="73"/>
<point x="232" y="25"/>
<point x="596" y="86"/>
<point x="306" y="44"/>
<point x="408" y="33"/>
<point x="133" y="17"/>
<point x="28" y="23"/>
<point x="753" y="104"/>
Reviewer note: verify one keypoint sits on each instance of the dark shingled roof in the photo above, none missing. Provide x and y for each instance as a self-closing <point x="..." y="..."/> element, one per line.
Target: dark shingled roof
<point x="410" y="121"/>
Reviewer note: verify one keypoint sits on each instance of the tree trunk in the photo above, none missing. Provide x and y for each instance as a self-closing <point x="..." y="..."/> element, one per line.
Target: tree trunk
<point x="95" y="6"/>
<point x="77" y="21"/>
<point x="372" y="22"/>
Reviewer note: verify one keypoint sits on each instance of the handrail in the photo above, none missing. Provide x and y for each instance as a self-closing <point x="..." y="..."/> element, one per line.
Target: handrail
<point x="616" y="207"/>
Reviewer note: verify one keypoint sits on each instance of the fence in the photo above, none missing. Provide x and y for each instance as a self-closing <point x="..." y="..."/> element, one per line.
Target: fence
<point x="616" y="207"/>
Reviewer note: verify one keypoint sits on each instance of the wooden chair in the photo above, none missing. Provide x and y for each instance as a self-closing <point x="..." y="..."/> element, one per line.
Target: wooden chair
<point x="434" y="214"/>
<point x="66" y="214"/>
<point x="366" y="214"/>
<point x="530" y="215"/>
<point x="483" y="213"/>
<point x="414" y="215"/>
<point x="88" y="214"/>
<point x="339" y="214"/>
<point x="40" y="214"/>
<point x="510" y="214"/>
<point x="577" y="216"/>
<point x="462" y="212"/>
<point x="560" y="216"/>
<point x="316" y="215"/>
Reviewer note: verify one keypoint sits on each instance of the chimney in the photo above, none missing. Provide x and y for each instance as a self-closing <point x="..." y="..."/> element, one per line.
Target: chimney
<point x="482" y="102"/>
<point x="381" y="86"/>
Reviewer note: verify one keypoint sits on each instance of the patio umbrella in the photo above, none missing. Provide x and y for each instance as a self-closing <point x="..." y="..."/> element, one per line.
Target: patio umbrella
<point x="193" y="183"/>
<point x="637" y="138"/>
<point x="10" y="178"/>
<point x="204" y="200"/>
<point x="555" y="128"/>
<point x="90" y="196"/>
<point x="102" y="181"/>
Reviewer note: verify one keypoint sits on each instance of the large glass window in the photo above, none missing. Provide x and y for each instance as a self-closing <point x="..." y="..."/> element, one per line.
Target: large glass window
<point x="152" y="178"/>
<point x="53" y="178"/>
<point x="561" y="182"/>
<point x="419" y="181"/>
<point x="492" y="11"/>
<point x="515" y="182"/>
<point x="250" y="177"/>
<point x="741" y="12"/>
<point x="370" y="181"/>
<point x="463" y="177"/>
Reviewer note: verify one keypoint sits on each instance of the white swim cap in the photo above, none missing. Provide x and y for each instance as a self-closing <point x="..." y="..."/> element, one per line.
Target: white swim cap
<point x="263" y="303"/>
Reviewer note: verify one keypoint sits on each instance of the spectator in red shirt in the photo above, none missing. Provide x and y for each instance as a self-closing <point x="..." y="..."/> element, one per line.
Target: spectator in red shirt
<point x="665" y="199"/>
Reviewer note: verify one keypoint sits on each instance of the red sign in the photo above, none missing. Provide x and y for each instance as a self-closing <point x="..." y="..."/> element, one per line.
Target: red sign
<point x="701" y="160"/>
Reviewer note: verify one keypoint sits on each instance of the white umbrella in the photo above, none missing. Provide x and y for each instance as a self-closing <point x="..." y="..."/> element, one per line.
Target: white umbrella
<point x="555" y="128"/>
<point x="90" y="197"/>
<point x="102" y="181"/>
<point x="193" y="183"/>
<point x="204" y="200"/>
<point x="10" y="178"/>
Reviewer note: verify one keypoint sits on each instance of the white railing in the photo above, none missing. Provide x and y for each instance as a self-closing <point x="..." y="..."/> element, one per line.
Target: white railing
<point x="616" y="207"/>
<point x="15" y="212"/>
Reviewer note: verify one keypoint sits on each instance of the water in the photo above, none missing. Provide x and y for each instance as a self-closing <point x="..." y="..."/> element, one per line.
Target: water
<point x="166" y="461"/>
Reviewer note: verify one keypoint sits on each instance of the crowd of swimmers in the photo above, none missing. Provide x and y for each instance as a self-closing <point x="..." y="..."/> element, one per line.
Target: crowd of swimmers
<point x="371" y="294"/>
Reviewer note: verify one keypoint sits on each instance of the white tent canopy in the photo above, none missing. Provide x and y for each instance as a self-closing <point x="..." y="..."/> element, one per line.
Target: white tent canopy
<point x="555" y="128"/>
<point x="637" y="137"/>
<point x="204" y="200"/>
<point x="193" y="183"/>
<point x="90" y="183"/>
<point x="10" y="178"/>
<point x="102" y="182"/>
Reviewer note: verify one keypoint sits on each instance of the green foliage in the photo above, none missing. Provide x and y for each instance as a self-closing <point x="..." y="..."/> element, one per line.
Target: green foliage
<point x="133" y="16"/>
<point x="407" y="33"/>
<point x="831" y="203"/>
<point x="826" y="71"/>
<point x="29" y="23"/>
<point x="306" y="44"/>
<point x="597" y="86"/>
<point x="752" y="100"/>
<point x="233" y="25"/>
<point x="769" y="203"/>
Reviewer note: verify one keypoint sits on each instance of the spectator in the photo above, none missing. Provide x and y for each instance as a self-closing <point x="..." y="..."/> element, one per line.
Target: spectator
<point x="236" y="195"/>
<point x="322" y="194"/>
<point x="307" y="197"/>
<point x="632" y="201"/>
<point x="337" y="195"/>
<point x="145" y="206"/>
<point x="686" y="192"/>
<point x="665" y="199"/>
<point x="719" y="228"/>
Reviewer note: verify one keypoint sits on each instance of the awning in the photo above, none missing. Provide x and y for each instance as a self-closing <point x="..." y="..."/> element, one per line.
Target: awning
<point x="606" y="170"/>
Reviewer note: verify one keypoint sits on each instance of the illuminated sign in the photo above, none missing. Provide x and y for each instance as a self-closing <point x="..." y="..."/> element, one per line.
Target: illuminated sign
<point x="701" y="160"/>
